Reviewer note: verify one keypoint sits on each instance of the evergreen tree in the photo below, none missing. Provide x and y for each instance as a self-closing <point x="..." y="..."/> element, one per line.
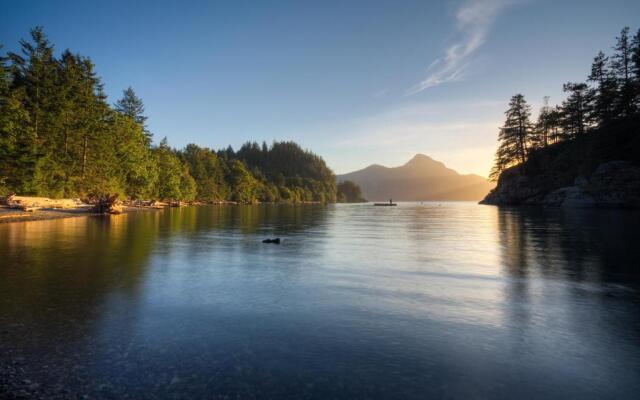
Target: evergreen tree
<point x="604" y="95"/>
<point x="133" y="107"/>
<point x="554" y="121"/>
<point x="35" y="70"/>
<point x="137" y="164"/>
<point x="59" y="137"/>
<point x="207" y="171"/>
<point x="575" y="108"/>
<point x="170" y="173"/>
<point x="541" y="135"/>
<point x="635" y="59"/>
<point x="621" y="64"/>
<point x="514" y="136"/>
<point x="243" y="184"/>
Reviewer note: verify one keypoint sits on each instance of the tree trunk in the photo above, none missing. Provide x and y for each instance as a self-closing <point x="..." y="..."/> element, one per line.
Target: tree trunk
<point x="84" y="157"/>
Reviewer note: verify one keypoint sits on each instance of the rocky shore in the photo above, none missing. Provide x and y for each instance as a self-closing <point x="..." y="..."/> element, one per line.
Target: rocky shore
<point x="613" y="184"/>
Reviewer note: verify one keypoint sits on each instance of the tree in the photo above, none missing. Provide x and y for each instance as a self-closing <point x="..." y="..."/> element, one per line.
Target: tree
<point x="621" y="64"/>
<point x="170" y="173"/>
<point x="243" y="184"/>
<point x="349" y="192"/>
<point x="206" y="169"/>
<point x="35" y="70"/>
<point x="137" y="165"/>
<point x="133" y="107"/>
<point x="635" y="59"/>
<point x="514" y="137"/>
<point x="60" y="137"/>
<point x="575" y="108"/>
<point x="604" y="95"/>
<point x="541" y="135"/>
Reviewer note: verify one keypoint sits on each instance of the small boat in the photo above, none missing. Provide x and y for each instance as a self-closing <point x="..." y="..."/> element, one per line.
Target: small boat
<point x="390" y="203"/>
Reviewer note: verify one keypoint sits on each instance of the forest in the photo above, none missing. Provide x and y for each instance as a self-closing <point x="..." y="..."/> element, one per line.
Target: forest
<point x="597" y="121"/>
<point x="59" y="137"/>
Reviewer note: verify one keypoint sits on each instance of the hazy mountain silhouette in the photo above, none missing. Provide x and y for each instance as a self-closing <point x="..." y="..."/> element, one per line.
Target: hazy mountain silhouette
<point x="422" y="178"/>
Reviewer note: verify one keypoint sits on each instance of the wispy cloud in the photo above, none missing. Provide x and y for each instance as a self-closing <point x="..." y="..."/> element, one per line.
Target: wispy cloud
<point x="474" y="19"/>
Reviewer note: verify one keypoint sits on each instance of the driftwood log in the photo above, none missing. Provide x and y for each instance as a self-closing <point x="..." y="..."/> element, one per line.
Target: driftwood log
<point x="107" y="205"/>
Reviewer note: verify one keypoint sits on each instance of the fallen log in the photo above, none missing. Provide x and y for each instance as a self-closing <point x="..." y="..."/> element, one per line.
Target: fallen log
<point x="107" y="205"/>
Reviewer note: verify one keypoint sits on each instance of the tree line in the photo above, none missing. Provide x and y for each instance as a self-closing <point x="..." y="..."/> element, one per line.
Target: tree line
<point x="611" y="94"/>
<point x="59" y="137"/>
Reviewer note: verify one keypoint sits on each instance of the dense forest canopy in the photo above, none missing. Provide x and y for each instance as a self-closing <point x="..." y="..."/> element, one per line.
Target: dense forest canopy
<point x="349" y="192"/>
<point x="59" y="137"/>
<point x="607" y="102"/>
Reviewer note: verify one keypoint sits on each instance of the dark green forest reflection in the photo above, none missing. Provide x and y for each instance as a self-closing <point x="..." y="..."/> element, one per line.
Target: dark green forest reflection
<point x="580" y="245"/>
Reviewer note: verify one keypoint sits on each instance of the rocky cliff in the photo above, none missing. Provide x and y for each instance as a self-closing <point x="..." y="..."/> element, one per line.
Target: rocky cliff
<point x="598" y="169"/>
<point x="614" y="184"/>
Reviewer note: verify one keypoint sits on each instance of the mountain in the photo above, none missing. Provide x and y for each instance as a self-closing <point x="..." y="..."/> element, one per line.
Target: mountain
<point x="422" y="178"/>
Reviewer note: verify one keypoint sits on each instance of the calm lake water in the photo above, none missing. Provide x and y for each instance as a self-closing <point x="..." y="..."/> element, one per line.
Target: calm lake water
<point x="433" y="300"/>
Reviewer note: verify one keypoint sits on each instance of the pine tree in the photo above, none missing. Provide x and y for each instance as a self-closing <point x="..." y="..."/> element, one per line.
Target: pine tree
<point x="170" y="173"/>
<point x="604" y="95"/>
<point x="635" y="68"/>
<point x="206" y="169"/>
<point x="133" y="107"/>
<point x="514" y="136"/>
<point x="575" y="108"/>
<point x="137" y="164"/>
<point x="541" y="135"/>
<point x="35" y="70"/>
<point x="621" y="64"/>
<point x="554" y="121"/>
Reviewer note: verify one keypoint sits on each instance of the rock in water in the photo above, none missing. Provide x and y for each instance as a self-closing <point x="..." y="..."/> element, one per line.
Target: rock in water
<point x="274" y="241"/>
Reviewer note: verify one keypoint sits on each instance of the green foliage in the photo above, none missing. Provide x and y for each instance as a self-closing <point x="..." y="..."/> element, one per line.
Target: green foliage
<point x="136" y="162"/>
<point x="243" y="185"/>
<point x="208" y="172"/>
<point x="170" y="173"/>
<point x="303" y="174"/>
<point x="349" y="192"/>
<point x="59" y="137"/>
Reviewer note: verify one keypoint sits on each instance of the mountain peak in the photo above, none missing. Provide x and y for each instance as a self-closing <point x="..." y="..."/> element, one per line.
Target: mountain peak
<point x="420" y="157"/>
<point x="421" y="160"/>
<point x="421" y="178"/>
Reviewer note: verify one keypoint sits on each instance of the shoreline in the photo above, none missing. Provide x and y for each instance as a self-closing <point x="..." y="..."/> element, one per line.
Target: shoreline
<point x="10" y="215"/>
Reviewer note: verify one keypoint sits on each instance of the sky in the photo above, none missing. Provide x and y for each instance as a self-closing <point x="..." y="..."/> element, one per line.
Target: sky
<point x="357" y="82"/>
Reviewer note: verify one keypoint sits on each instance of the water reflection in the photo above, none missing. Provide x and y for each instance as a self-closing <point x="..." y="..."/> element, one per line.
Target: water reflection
<point x="421" y="300"/>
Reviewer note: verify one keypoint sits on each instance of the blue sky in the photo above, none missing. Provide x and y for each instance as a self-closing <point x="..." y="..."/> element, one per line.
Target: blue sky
<point x="357" y="82"/>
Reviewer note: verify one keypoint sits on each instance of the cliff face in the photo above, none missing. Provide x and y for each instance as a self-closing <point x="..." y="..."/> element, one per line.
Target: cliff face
<point x="614" y="184"/>
<point x="600" y="169"/>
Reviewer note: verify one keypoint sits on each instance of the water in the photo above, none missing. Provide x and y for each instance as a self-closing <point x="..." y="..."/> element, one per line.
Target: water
<point x="433" y="300"/>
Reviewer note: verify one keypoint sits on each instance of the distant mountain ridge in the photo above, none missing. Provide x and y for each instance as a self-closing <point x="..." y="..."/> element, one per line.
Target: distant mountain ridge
<point x="422" y="178"/>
